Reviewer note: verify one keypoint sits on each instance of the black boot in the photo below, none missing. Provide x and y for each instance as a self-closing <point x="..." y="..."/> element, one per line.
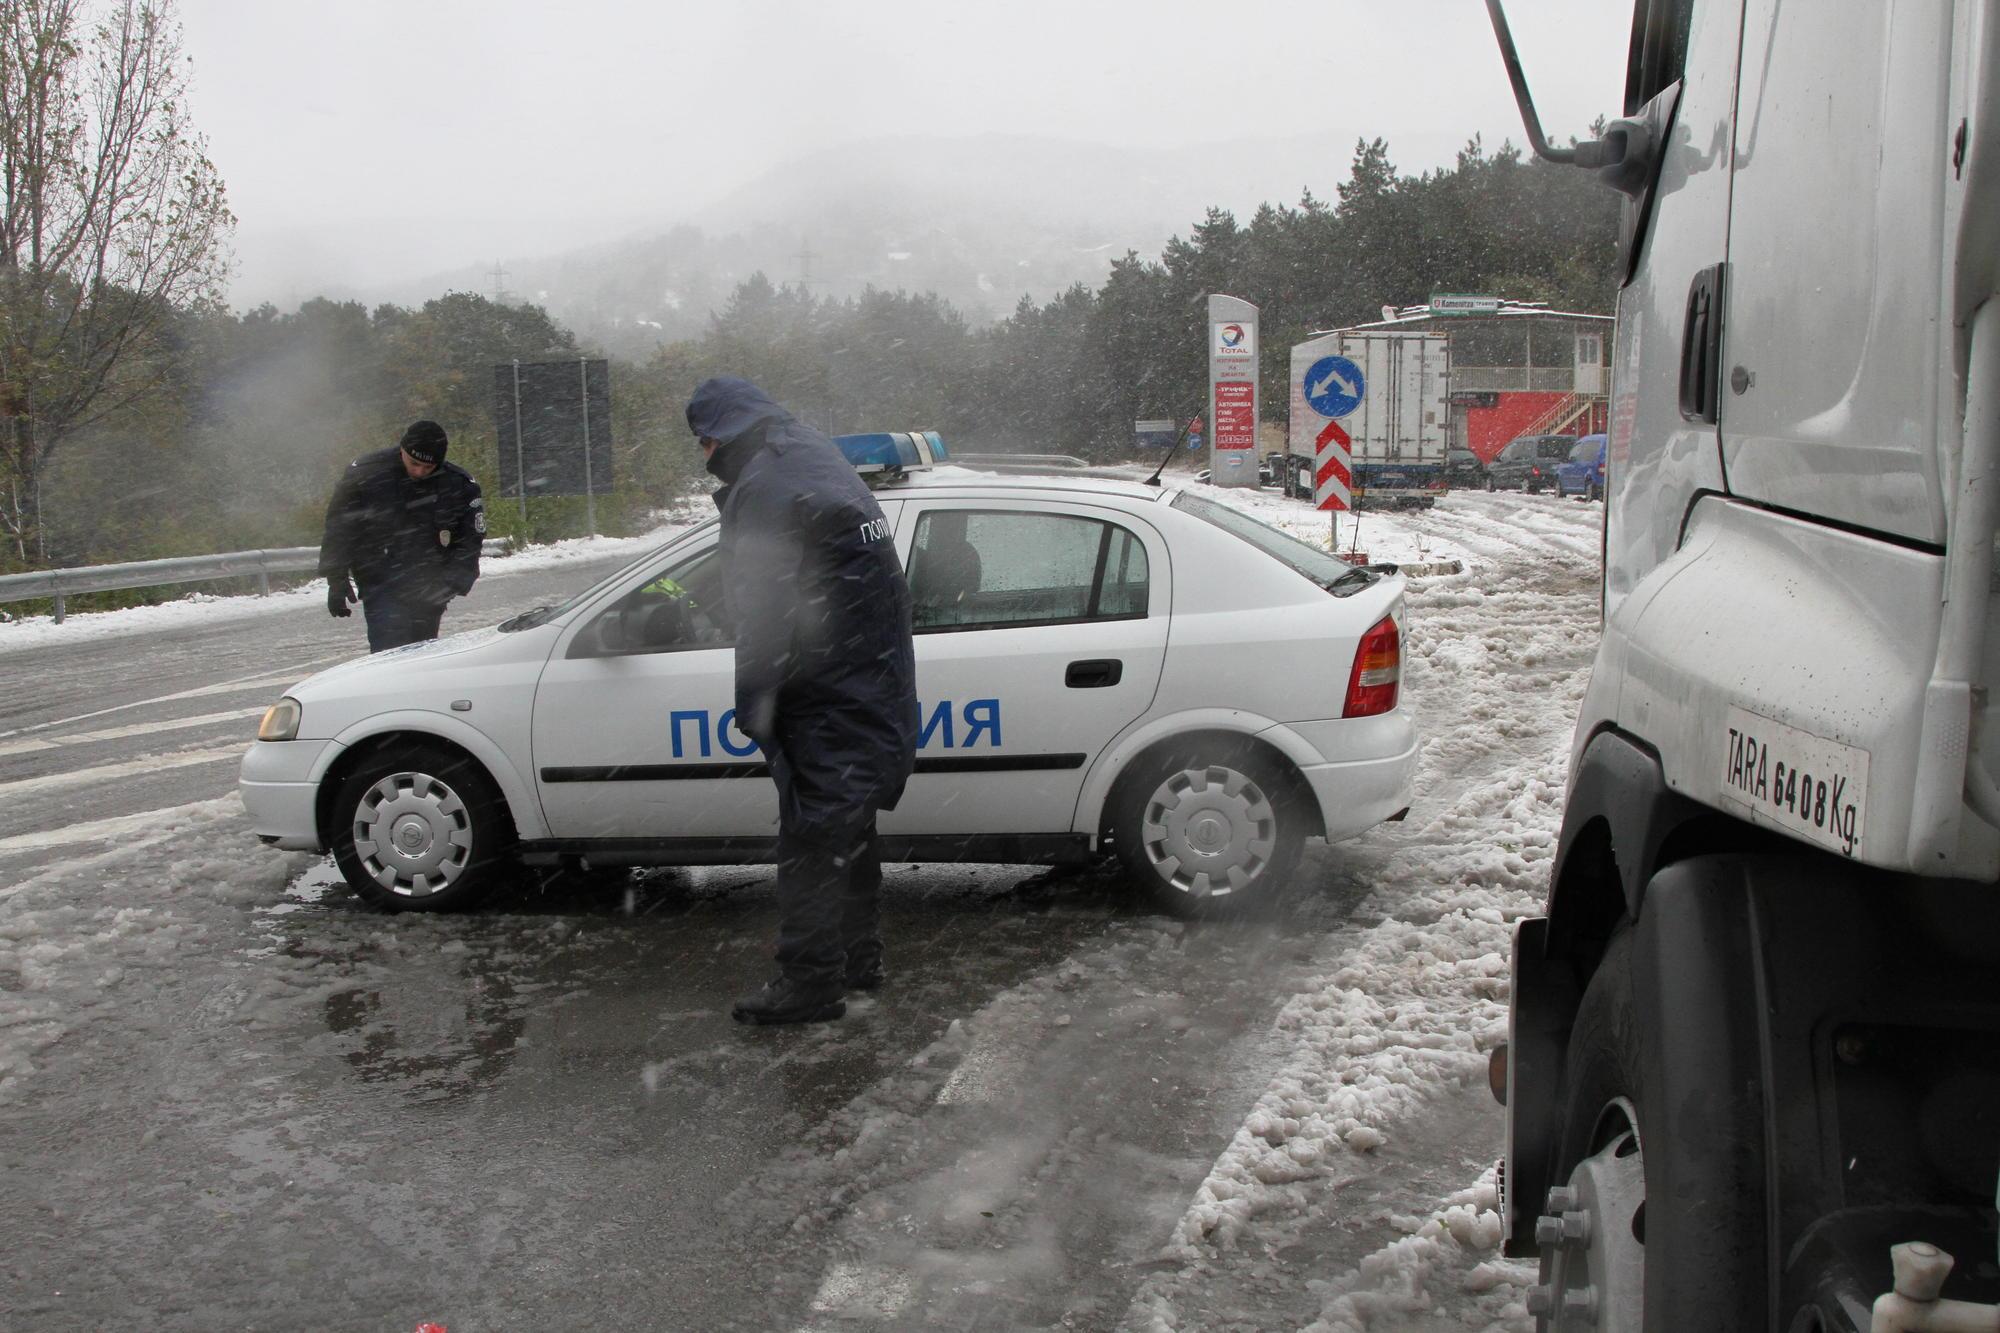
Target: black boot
<point x="787" y="1000"/>
<point x="865" y="972"/>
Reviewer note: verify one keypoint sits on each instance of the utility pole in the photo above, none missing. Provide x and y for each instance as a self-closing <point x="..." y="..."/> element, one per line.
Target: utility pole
<point x="499" y="284"/>
<point x="805" y="257"/>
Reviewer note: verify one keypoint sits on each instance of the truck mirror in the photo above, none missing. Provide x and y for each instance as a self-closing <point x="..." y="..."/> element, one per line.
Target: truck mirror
<point x="1627" y="158"/>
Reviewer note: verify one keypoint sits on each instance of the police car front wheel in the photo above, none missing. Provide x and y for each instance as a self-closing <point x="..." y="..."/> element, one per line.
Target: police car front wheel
<point x="1208" y="832"/>
<point x="418" y="828"/>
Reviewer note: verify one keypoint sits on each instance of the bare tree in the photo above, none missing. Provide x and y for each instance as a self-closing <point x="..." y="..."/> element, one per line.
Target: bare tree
<point x="114" y="221"/>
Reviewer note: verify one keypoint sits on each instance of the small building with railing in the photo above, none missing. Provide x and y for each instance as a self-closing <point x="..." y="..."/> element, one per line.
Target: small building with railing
<point x="1517" y="367"/>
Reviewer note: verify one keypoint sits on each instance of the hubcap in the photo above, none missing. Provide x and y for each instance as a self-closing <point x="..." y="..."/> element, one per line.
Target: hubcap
<point x="1208" y="831"/>
<point x="412" y="834"/>
<point x="1592" y="1237"/>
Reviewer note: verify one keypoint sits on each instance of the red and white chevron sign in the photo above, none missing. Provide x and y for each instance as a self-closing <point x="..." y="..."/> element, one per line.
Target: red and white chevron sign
<point x="1333" y="468"/>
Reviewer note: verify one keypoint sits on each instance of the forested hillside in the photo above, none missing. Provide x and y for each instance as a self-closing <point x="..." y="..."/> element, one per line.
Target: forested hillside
<point x="247" y="418"/>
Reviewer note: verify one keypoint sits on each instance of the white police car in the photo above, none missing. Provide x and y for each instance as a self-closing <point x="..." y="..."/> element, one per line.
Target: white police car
<point x="1100" y="664"/>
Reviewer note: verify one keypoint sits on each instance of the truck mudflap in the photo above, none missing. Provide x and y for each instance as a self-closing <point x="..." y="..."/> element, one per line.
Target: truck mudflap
<point x="1830" y="1035"/>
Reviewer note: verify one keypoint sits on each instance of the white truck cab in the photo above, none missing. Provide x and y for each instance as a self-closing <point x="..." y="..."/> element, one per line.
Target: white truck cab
<point x="1755" y="1039"/>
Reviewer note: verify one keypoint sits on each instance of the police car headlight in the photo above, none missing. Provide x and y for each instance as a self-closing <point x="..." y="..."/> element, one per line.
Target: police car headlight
<point x="281" y="721"/>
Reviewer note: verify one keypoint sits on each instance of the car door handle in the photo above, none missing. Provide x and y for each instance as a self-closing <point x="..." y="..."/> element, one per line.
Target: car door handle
<point x="1094" y="673"/>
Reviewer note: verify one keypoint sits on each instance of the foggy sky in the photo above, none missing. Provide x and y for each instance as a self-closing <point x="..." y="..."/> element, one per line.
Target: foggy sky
<point x="371" y="141"/>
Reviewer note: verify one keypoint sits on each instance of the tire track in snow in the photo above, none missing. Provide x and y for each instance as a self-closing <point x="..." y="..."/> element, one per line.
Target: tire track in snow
<point x="1345" y="1166"/>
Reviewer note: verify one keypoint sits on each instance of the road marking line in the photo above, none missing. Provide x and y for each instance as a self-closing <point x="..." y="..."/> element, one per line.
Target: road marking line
<point x="849" y="1290"/>
<point x="980" y="1072"/>
<point x="84" y="777"/>
<point x="121" y="733"/>
<point x="289" y="676"/>
<point x="100" y="830"/>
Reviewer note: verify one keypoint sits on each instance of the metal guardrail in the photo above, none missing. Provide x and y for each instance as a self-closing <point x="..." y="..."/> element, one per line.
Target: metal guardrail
<point x="63" y="583"/>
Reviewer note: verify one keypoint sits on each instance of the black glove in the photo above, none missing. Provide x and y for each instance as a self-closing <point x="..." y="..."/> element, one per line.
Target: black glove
<point x="339" y="595"/>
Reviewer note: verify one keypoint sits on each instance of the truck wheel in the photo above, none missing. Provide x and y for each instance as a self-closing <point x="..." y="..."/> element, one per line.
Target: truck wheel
<point x="419" y="828"/>
<point x="1592" y="1234"/>
<point x="1208" y="831"/>
<point x="1596" y="1235"/>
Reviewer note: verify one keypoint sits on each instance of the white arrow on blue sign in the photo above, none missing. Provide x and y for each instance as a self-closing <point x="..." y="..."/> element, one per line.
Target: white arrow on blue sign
<point x="1334" y="386"/>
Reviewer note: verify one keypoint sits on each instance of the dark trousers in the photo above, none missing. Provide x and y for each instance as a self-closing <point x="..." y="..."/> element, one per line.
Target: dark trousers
<point x="829" y="885"/>
<point x="829" y="903"/>
<point x="394" y="621"/>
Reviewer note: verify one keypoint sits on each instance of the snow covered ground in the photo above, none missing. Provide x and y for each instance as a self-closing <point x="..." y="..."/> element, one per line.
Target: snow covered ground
<point x="1354" y="1194"/>
<point x="1495" y="663"/>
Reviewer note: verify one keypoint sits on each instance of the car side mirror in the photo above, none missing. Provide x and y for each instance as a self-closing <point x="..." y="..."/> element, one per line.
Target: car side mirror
<point x="611" y="637"/>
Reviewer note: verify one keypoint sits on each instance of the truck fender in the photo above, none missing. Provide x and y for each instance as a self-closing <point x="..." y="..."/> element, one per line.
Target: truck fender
<point x="1115" y="757"/>
<point x="1617" y="821"/>
<point x="522" y="803"/>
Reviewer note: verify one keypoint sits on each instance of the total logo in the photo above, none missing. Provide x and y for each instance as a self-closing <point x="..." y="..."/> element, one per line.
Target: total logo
<point x="1235" y="340"/>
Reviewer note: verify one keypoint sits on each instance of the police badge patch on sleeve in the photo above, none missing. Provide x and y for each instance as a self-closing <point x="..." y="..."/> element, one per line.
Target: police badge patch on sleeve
<point x="479" y="521"/>
<point x="444" y="536"/>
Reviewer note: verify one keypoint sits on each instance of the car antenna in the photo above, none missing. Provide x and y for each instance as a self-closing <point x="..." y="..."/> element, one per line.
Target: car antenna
<point x="1172" y="449"/>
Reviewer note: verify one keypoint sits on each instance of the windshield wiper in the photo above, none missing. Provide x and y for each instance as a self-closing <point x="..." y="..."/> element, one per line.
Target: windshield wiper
<point x="1353" y="580"/>
<point x="527" y="619"/>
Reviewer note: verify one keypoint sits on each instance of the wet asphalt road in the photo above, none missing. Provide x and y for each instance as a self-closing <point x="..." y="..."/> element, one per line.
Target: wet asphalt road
<point x="262" y="1105"/>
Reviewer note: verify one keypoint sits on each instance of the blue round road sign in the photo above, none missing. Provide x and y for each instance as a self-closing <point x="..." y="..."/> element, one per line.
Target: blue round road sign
<point x="1334" y="386"/>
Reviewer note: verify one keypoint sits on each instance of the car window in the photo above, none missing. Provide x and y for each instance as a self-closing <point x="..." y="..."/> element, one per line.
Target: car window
<point x="989" y="569"/>
<point x="1585" y="451"/>
<point x="681" y="608"/>
<point x="1321" y="566"/>
<point x="1555" y="446"/>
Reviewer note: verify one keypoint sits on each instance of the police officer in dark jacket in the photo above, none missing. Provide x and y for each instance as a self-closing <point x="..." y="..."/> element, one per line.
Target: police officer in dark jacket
<point x="405" y="527"/>
<point x="825" y="682"/>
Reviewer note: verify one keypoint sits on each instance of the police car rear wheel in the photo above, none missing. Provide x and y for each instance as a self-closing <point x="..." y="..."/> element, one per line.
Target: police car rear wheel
<point x="419" y="829"/>
<point x="1208" y="833"/>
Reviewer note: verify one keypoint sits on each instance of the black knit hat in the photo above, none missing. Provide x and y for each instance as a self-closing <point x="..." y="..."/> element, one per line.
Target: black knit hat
<point x="425" y="442"/>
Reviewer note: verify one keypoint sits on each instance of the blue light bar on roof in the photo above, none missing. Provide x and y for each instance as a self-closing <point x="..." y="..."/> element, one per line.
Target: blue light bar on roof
<point x="888" y="451"/>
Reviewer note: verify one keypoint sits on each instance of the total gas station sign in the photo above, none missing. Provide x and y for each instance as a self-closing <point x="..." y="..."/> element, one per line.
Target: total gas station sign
<point x="1232" y="391"/>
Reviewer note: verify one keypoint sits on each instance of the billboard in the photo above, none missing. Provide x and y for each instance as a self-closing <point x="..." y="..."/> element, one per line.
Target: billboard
<point x="553" y="422"/>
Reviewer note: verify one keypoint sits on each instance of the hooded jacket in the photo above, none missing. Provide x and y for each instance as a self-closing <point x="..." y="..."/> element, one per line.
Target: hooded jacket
<point x="825" y="671"/>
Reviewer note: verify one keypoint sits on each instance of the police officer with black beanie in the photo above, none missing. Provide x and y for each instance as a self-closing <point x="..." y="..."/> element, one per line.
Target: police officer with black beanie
<point x="403" y="529"/>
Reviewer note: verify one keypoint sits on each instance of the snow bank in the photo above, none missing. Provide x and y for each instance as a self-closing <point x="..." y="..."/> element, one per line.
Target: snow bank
<point x="200" y="608"/>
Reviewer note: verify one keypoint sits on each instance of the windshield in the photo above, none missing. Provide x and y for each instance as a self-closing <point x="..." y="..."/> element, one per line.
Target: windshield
<point x="1585" y="452"/>
<point x="1322" y="567"/>
<point x="542" y="615"/>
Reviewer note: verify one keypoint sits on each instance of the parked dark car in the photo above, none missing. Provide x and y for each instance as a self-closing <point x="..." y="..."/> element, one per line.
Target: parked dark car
<point x="1582" y="473"/>
<point x="1528" y="463"/>
<point x="1462" y="467"/>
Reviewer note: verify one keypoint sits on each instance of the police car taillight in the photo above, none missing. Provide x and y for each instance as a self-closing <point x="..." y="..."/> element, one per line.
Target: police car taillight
<point x="1378" y="671"/>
